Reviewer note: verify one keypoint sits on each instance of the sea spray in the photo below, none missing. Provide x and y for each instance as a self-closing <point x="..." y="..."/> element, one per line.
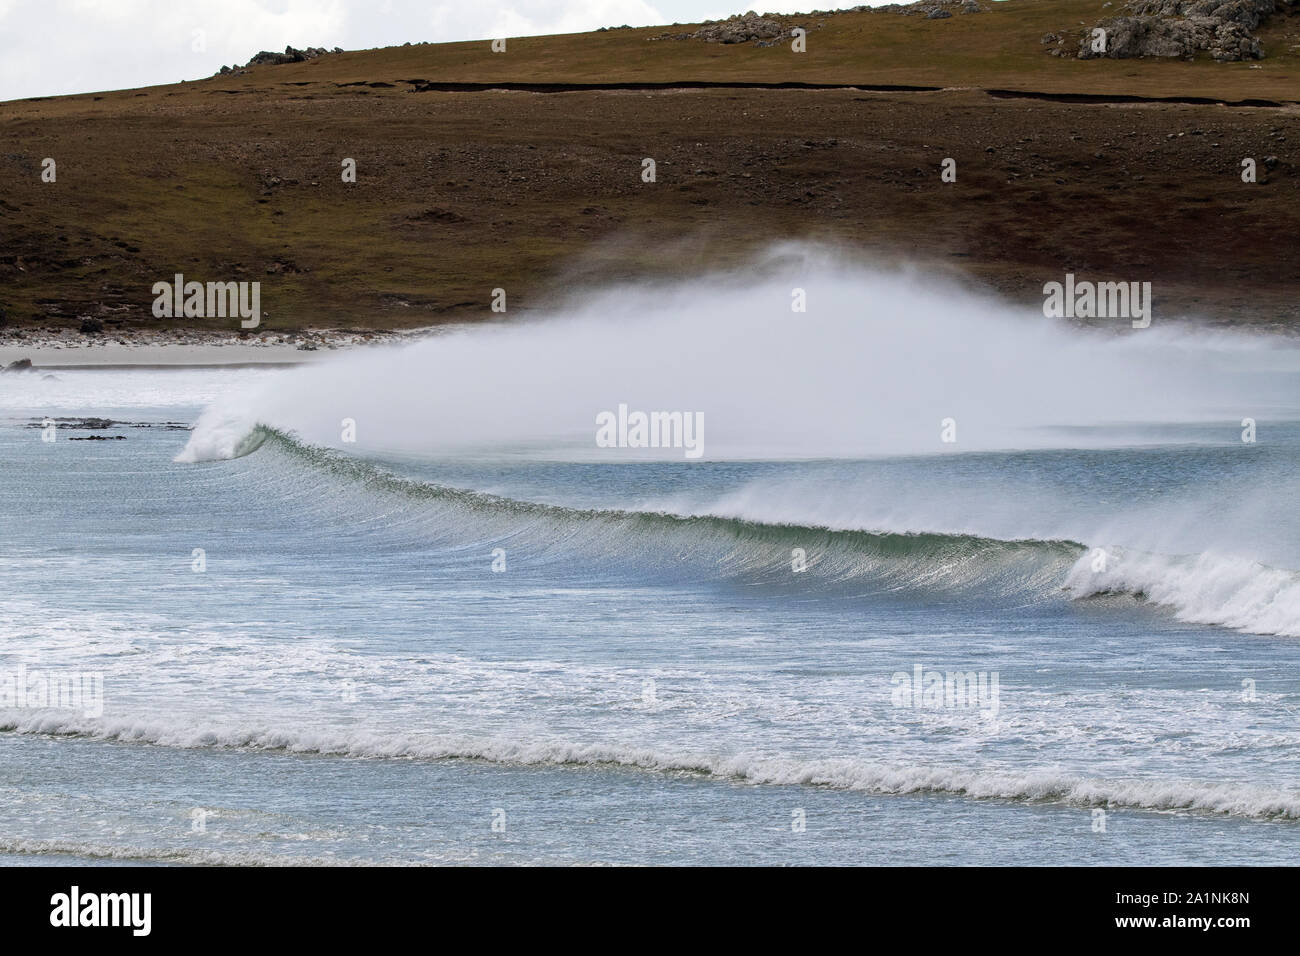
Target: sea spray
<point x="874" y="366"/>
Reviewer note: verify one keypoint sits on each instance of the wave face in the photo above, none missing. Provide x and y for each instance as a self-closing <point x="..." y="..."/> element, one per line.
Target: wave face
<point x="650" y="542"/>
<point x="749" y="535"/>
<point x="873" y="367"/>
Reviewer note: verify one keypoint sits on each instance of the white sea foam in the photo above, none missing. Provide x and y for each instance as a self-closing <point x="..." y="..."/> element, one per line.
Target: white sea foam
<point x="1160" y="559"/>
<point x="83" y="390"/>
<point x="1203" y="589"/>
<point x="1232" y="799"/>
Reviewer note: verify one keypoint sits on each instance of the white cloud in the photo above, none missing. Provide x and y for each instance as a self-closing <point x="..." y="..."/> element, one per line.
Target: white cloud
<point x="532" y="17"/>
<point x="49" y="47"/>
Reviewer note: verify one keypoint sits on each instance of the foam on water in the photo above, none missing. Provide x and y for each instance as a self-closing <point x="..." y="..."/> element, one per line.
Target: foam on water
<point x="60" y="389"/>
<point x="1242" y="800"/>
<point x="1204" y="588"/>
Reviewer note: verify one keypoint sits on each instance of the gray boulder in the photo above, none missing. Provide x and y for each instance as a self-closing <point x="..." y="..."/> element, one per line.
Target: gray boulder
<point x="290" y="55"/>
<point x="935" y="9"/>
<point x="1183" y="28"/>
<point x="740" y="28"/>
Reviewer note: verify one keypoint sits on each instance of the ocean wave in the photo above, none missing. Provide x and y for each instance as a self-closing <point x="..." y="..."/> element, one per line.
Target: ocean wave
<point x="1219" y="590"/>
<point x="1207" y="588"/>
<point x="724" y="545"/>
<point x="1044" y="786"/>
<point x="223" y="433"/>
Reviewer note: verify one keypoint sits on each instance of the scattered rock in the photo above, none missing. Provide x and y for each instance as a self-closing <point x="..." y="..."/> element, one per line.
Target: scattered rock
<point x="933" y="9"/>
<point x="284" y="267"/>
<point x="740" y="28"/>
<point x="1183" y="28"/>
<point x="290" y="55"/>
<point x="91" y="325"/>
<point x="766" y="30"/>
<point x="85" y="424"/>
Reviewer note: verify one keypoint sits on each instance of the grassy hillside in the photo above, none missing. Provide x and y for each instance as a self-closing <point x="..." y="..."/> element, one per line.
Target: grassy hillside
<point x="461" y="192"/>
<point x="1000" y="48"/>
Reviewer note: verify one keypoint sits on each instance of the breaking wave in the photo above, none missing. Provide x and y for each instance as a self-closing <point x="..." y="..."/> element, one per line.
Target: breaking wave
<point x="871" y="369"/>
<point x="1212" y="589"/>
<point x="1052" y="787"/>
<point x="1201" y="589"/>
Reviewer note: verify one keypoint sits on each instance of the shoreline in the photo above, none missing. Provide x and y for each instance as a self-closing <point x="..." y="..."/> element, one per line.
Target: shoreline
<point x="186" y="349"/>
<point x="157" y="357"/>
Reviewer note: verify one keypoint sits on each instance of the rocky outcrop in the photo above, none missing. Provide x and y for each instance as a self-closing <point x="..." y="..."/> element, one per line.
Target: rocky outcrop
<point x="740" y="28"/>
<point x="290" y="55"/>
<point x="932" y="9"/>
<point x="766" y="29"/>
<point x="1178" y="28"/>
<point x="941" y="9"/>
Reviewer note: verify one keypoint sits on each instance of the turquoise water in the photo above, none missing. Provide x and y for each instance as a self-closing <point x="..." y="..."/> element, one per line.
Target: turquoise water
<point x="648" y="680"/>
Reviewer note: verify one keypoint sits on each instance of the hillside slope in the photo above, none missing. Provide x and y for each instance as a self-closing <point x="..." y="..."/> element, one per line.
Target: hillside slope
<point x="1122" y="169"/>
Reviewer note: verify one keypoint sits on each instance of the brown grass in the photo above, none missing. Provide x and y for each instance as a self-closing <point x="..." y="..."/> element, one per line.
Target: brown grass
<point x="462" y="192"/>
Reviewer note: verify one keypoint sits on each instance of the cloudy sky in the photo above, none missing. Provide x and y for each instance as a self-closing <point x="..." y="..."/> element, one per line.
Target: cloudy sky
<point x="77" y="46"/>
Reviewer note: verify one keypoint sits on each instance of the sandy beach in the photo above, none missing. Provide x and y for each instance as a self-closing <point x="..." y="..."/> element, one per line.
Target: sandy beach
<point x="187" y="349"/>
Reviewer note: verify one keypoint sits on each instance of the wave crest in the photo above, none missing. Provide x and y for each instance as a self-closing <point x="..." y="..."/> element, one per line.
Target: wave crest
<point x="1201" y="589"/>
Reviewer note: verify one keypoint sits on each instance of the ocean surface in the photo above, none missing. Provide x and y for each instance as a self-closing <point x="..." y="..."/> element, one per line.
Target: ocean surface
<point x="454" y="636"/>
